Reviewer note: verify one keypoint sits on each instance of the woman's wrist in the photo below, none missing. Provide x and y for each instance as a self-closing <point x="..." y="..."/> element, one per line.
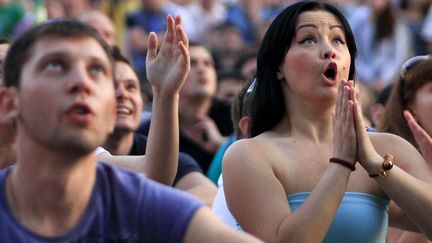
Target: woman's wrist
<point x="372" y="165"/>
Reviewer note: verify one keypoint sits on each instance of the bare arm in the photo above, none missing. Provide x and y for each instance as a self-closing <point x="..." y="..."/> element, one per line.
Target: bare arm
<point x="198" y="185"/>
<point x="258" y="200"/>
<point x="406" y="183"/>
<point x="205" y="227"/>
<point x="167" y="71"/>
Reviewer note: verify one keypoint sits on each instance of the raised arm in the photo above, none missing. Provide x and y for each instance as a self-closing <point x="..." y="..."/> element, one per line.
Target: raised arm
<point x="412" y="195"/>
<point x="166" y="71"/>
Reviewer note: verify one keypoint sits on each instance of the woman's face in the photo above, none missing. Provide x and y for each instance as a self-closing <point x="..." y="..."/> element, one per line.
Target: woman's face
<point x="318" y="57"/>
<point x="422" y="106"/>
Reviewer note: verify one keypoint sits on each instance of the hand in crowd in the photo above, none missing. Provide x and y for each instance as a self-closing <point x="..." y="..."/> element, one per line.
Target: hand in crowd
<point x="167" y="69"/>
<point x="210" y="138"/>
<point x="344" y="139"/>
<point x="422" y="138"/>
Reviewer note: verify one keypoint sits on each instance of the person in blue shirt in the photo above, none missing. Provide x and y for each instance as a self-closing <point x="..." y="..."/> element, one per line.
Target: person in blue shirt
<point x="59" y="92"/>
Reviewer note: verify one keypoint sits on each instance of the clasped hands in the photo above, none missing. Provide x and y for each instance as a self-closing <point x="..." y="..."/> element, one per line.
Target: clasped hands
<point x="350" y="139"/>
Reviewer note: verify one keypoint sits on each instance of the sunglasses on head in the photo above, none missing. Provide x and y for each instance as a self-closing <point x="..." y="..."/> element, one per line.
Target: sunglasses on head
<point x="411" y="62"/>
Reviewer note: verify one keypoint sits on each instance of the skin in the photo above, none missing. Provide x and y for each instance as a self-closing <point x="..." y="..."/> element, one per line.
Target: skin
<point x="195" y="101"/>
<point x="75" y="92"/>
<point x="101" y="23"/>
<point x="58" y="80"/>
<point x="419" y="106"/>
<point x="129" y="106"/>
<point x="301" y="143"/>
<point x="7" y="133"/>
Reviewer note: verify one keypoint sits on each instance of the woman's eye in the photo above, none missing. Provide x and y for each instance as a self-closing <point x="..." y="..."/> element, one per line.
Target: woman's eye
<point x="307" y="40"/>
<point x="339" y="41"/>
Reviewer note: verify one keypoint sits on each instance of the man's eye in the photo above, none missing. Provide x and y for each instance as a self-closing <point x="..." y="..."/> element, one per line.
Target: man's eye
<point x="97" y="70"/>
<point x="54" y="66"/>
<point x="131" y="87"/>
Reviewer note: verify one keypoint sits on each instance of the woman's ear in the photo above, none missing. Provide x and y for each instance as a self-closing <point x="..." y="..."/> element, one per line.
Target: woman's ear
<point x="9" y="105"/>
<point x="244" y="126"/>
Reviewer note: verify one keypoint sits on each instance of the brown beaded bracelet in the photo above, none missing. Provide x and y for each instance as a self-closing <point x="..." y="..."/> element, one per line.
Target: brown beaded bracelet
<point x="345" y="163"/>
<point x="386" y="166"/>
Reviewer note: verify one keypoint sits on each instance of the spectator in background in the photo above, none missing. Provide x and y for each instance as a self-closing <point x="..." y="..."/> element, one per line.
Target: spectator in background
<point x="414" y="12"/>
<point x="408" y="113"/>
<point x="378" y="107"/>
<point x="240" y="109"/>
<point x="101" y="23"/>
<point x="199" y="16"/>
<point x="200" y="136"/>
<point x="231" y="45"/>
<point x="383" y="43"/>
<point x="230" y="82"/>
<point x="149" y="18"/>
<point x="246" y="63"/>
<point x="123" y="140"/>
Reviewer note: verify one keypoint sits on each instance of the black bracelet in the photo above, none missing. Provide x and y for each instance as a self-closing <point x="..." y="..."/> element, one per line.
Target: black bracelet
<point x="345" y="163"/>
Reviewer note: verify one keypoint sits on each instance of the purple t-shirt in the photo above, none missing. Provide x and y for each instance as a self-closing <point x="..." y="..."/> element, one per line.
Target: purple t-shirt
<point x="124" y="207"/>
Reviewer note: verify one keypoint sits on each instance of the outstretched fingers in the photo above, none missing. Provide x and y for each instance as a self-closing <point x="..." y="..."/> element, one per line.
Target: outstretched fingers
<point x="170" y="34"/>
<point x="422" y="138"/>
<point x="152" y="44"/>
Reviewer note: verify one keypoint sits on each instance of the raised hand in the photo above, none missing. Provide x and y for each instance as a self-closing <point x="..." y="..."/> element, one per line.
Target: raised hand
<point x="423" y="139"/>
<point x="344" y="136"/>
<point x="167" y="69"/>
<point x="366" y="153"/>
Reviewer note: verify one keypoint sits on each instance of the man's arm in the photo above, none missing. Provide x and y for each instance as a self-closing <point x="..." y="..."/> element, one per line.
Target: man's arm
<point x="198" y="185"/>
<point x="166" y="71"/>
<point x="205" y="227"/>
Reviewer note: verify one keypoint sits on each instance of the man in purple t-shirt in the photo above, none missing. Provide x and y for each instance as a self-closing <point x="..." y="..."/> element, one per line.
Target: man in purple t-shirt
<point x="59" y="93"/>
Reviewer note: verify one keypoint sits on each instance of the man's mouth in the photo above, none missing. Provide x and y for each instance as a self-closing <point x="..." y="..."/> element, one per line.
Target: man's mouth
<point x="124" y="110"/>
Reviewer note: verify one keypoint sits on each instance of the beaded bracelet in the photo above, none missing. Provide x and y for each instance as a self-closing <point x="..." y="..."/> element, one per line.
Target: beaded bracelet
<point x="386" y="166"/>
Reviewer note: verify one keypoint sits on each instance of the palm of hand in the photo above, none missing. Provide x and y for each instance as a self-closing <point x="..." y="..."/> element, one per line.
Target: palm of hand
<point x="167" y="70"/>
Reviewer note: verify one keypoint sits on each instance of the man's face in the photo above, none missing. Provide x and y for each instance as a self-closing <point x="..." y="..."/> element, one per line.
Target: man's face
<point x="66" y="97"/>
<point x="128" y="95"/>
<point x="202" y="76"/>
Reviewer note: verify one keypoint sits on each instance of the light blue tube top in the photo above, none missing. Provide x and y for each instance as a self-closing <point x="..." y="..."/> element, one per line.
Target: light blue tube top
<point x="361" y="217"/>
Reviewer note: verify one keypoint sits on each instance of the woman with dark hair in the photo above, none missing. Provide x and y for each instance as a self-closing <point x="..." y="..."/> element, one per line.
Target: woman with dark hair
<point x="408" y="113"/>
<point x="279" y="184"/>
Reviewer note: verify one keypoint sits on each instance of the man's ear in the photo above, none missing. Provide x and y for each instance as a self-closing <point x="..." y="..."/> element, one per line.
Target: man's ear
<point x="9" y="105"/>
<point x="244" y="126"/>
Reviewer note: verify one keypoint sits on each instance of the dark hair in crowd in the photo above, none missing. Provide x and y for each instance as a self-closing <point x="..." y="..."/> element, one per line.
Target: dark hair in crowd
<point x="402" y="96"/>
<point x="268" y="106"/>
<point x="118" y="55"/>
<point x="21" y="49"/>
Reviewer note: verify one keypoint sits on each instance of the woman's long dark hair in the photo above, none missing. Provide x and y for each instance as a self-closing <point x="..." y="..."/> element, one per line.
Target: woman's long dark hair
<point x="268" y="106"/>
